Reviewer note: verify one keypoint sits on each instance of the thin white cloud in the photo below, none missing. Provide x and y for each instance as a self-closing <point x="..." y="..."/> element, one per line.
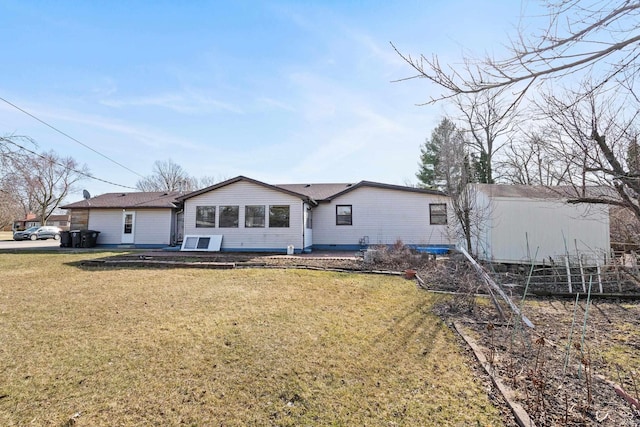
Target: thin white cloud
<point x="365" y="132"/>
<point x="188" y="102"/>
<point x="105" y="86"/>
<point x="73" y="123"/>
<point x="379" y="50"/>
<point x="275" y="104"/>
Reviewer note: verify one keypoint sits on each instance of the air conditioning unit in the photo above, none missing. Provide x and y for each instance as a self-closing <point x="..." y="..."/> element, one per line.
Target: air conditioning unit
<point x="210" y="243"/>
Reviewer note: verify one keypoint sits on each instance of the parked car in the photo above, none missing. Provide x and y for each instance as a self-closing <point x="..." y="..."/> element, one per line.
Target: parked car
<point x="35" y="233"/>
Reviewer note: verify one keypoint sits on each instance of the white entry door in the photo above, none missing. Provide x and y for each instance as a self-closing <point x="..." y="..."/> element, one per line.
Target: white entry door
<point x="128" y="226"/>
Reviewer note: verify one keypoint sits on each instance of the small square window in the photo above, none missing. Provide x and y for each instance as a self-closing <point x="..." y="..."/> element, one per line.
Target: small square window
<point x="344" y="215"/>
<point x="253" y="216"/>
<point x="438" y="214"/>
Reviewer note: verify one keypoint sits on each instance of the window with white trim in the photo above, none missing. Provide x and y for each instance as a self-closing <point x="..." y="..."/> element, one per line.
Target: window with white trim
<point x="229" y="216"/>
<point x="205" y="216"/>
<point x="254" y="216"/>
<point x="278" y="216"/>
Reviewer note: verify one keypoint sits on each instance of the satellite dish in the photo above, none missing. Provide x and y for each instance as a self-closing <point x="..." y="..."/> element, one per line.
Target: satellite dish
<point x="86" y="194"/>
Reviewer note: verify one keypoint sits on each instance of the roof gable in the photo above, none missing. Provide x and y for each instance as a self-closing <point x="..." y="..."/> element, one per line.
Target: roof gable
<point x="243" y="178"/>
<point x="316" y="191"/>
<point x="363" y="184"/>
<point x="327" y="192"/>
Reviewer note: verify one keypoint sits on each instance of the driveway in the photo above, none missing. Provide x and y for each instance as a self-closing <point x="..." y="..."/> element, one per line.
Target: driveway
<point x="28" y="244"/>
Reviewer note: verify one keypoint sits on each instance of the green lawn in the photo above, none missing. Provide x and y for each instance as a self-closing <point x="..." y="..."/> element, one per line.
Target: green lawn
<point x="133" y="347"/>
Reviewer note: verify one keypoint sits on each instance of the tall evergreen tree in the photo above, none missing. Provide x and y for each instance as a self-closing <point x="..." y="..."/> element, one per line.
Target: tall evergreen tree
<point x="633" y="158"/>
<point x="482" y="168"/>
<point x="430" y="172"/>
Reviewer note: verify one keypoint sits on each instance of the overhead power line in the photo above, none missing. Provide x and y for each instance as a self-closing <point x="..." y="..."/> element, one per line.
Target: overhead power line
<point x="72" y="138"/>
<point x="88" y="175"/>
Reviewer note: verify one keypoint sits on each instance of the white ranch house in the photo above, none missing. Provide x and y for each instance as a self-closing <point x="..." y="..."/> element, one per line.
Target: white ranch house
<point x="250" y="215"/>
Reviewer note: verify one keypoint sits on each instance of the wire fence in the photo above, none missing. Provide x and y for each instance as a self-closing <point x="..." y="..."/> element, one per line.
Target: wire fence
<point x="615" y="273"/>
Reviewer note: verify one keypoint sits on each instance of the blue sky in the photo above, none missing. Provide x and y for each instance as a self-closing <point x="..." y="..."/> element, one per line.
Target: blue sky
<point x="280" y="91"/>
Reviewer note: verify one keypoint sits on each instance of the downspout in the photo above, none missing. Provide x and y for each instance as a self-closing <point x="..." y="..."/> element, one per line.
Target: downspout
<point x="175" y="232"/>
<point x="312" y="203"/>
<point x="304" y="226"/>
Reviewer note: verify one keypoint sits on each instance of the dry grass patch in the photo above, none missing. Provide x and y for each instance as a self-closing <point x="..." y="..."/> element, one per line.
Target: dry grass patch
<point x="226" y="347"/>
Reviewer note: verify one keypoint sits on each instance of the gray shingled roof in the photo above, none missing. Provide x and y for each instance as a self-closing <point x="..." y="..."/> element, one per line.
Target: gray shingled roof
<point x="542" y="192"/>
<point x="237" y="179"/>
<point x="321" y="192"/>
<point x="128" y="200"/>
<point x="316" y="191"/>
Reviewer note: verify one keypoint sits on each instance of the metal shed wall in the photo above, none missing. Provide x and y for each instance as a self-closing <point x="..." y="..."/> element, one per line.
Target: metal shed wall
<point x="514" y="229"/>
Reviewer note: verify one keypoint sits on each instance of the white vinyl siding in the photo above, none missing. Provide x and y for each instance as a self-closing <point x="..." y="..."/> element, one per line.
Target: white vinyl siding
<point x="109" y="223"/>
<point x="152" y="226"/>
<point x="383" y="215"/>
<point x="243" y="193"/>
<point x="514" y="229"/>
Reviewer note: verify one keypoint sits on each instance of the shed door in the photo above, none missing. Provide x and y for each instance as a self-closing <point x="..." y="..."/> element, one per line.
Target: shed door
<point x="128" y="226"/>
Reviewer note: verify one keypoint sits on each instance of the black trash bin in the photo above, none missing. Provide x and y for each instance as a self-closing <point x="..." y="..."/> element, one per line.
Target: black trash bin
<point x="75" y="238"/>
<point x="89" y="238"/>
<point x="65" y="239"/>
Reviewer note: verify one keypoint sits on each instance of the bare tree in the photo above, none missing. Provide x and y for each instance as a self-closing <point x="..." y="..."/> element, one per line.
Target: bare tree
<point x="489" y="120"/>
<point x="599" y="38"/>
<point x="41" y="182"/>
<point x="591" y="49"/>
<point x="14" y="150"/>
<point x="534" y="159"/>
<point x="601" y="131"/>
<point x="456" y="170"/>
<point x="34" y="182"/>
<point x="10" y="207"/>
<point x="625" y="229"/>
<point x="208" y="180"/>
<point x="167" y="176"/>
<point x="170" y="176"/>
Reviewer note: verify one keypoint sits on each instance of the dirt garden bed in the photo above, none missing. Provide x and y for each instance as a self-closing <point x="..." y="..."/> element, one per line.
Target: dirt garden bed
<point x="570" y="370"/>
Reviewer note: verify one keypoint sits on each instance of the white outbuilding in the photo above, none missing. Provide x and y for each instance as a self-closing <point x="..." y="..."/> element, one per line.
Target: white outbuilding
<point x="522" y="224"/>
